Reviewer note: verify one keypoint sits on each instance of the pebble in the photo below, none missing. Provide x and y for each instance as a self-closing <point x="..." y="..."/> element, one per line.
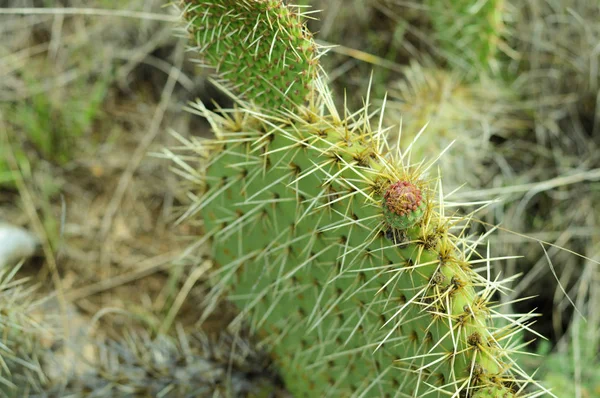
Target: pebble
<point x="15" y="244"/>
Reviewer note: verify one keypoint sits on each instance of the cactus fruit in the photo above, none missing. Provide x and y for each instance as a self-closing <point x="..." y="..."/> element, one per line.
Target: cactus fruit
<point x="340" y="255"/>
<point x="403" y="205"/>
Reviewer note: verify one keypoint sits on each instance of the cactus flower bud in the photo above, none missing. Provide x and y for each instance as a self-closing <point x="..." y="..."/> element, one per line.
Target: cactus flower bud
<point x="403" y="205"/>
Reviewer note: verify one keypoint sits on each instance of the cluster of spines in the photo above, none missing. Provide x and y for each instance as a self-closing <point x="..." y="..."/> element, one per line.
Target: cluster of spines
<point x="260" y="48"/>
<point x="21" y="349"/>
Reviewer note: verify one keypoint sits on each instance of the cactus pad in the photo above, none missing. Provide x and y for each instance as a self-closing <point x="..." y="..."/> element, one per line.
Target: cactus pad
<point x="260" y="48"/>
<point x="302" y="245"/>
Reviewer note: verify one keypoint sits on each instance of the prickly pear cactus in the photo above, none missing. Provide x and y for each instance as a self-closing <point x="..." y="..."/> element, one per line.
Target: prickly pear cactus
<point x="260" y="48"/>
<point x="340" y="254"/>
<point x="344" y="261"/>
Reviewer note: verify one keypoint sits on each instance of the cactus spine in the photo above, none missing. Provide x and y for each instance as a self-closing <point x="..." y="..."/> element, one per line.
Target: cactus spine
<point x="337" y="250"/>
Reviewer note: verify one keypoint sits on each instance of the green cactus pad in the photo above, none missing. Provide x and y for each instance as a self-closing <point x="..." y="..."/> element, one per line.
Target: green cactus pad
<point x="260" y="48"/>
<point x="299" y="236"/>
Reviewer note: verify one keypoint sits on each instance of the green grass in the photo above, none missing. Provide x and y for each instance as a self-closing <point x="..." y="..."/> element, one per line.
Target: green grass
<point x="52" y="122"/>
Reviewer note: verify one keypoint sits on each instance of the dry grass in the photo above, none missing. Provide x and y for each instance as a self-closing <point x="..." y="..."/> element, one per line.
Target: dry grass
<point x="102" y="205"/>
<point x="86" y="181"/>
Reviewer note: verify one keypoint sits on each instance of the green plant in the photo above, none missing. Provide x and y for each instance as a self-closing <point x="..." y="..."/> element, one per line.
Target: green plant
<point x="8" y="148"/>
<point x="338" y="250"/>
<point x="570" y="371"/>
<point x="259" y="49"/>
<point x="6" y="176"/>
<point x="469" y="33"/>
<point x="20" y="345"/>
<point x="51" y="122"/>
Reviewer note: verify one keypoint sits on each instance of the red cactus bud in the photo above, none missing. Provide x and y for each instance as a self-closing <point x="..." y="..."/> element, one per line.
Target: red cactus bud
<point x="403" y="205"/>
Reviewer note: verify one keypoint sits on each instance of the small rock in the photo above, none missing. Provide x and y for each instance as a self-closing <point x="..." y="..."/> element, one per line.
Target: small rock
<point x="15" y="244"/>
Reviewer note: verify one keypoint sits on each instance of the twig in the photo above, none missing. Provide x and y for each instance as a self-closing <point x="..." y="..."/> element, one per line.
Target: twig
<point x="97" y="12"/>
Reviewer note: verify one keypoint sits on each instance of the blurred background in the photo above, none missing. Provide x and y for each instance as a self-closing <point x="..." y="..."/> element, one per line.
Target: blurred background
<point x="92" y="91"/>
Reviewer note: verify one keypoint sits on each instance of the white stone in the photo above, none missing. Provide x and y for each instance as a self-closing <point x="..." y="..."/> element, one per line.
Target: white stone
<point x="15" y="244"/>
